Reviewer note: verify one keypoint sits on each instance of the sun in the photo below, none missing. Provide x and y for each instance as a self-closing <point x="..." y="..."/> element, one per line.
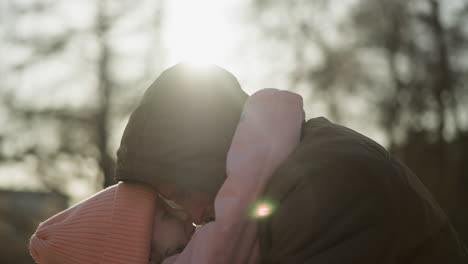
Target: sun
<point x="198" y="32"/>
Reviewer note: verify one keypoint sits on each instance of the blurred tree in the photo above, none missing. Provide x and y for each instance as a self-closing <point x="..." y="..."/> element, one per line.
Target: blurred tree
<point x="423" y="56"/>
<point x="319" y="58"/>
<point x="423" y="45"/>
<point x="72" y="72"/>
<point x="405" y="59"/>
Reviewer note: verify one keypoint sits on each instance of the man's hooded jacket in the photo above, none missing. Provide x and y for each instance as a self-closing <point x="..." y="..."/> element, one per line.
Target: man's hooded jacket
<point x="339" y="197"/>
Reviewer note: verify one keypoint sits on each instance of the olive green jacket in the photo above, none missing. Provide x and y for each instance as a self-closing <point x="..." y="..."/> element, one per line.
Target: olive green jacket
<point x="341" y="198"/>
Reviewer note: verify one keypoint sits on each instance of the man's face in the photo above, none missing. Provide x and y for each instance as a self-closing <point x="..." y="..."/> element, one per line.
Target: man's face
<point x="194" y="206"/>
<point x="170" y="234"/>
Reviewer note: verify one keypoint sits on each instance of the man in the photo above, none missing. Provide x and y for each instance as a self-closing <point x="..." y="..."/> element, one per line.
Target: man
<point x="340" y="197"/>
<point x="178" y="137"/>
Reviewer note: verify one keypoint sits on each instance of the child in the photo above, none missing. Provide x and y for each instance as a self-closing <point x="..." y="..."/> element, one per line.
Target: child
<point x="125" y="223"/>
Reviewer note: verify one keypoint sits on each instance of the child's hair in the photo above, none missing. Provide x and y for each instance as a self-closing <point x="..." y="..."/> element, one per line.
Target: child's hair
<point x="112" y="226"/>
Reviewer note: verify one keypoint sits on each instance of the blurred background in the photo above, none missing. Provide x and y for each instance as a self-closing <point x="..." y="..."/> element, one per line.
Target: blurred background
<point x="71" y="71"/>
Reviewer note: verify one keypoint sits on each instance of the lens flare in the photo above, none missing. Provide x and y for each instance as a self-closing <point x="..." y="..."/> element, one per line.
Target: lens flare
<point x="262" y="209"/>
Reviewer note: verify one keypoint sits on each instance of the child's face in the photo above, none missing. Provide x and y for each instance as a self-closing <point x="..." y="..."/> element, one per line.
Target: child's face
<point x="170" y="234"/>
<point x="196" y="205"/>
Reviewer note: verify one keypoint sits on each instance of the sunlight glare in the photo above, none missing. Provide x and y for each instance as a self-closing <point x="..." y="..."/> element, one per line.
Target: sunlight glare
<point x="198" y="32"/>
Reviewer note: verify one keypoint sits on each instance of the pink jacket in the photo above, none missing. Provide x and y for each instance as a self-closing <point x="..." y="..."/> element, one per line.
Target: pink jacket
<point x="268" y="132"/>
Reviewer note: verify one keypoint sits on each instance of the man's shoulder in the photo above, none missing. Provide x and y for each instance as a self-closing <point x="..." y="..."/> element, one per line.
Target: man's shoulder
<point x="340" y="180"/>
<point x="329" y="152"/>
<point x="319" y="135"/>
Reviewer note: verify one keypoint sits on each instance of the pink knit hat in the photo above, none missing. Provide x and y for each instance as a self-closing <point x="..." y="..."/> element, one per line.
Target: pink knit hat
<point x="112" y="226"/>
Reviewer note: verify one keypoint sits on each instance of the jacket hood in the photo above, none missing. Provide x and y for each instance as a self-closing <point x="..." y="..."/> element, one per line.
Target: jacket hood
<point x="181" y="131"/>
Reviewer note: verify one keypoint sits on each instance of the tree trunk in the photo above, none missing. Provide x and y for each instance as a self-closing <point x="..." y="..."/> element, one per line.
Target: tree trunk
<point x="106" y="163"/>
